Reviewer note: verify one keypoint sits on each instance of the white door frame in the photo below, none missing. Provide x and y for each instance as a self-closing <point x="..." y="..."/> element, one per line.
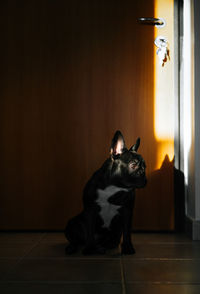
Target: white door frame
<point x="187" y="107"/>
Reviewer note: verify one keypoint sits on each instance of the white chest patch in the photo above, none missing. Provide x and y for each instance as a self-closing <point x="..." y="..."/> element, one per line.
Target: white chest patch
<point x="108" y="210"/>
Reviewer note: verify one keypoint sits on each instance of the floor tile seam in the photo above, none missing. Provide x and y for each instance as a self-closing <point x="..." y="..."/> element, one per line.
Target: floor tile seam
<point x="166" y="243"/>
<point x="71" y="259"/>
<point x="163" y="283"/>
<point x="44" y="241"/>
<point x="32" y="247"/>
<point x="103" y="259"/>
<point x="123" y="282"/>
<point x="160" y="259"/>
<point x="21" y="240"/>
<point x="42" y="237"/>
<point x="117" y="282"/>
<point x="53" y="242"/>
<point x="5" y="282"/>
<point x="23" y="243"/>
<point x="20" y="259"/>
<point x="59" y="238"/>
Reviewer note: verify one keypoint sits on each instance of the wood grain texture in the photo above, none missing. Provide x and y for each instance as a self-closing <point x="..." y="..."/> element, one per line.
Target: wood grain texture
<point x="72" y="73"/>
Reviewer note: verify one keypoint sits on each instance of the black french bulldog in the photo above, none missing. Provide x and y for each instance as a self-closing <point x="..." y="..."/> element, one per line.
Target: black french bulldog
<point x="108" y="200"/>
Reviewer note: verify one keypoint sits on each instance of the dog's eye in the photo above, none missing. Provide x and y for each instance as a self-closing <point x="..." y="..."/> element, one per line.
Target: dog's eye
<point x="133" y="164"/>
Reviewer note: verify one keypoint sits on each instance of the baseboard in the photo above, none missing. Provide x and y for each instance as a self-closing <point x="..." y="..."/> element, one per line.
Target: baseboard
<point x="192" y="228"/>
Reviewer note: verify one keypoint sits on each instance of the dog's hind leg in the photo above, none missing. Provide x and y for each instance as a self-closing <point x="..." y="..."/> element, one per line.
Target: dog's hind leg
<point x="75" y="234"/>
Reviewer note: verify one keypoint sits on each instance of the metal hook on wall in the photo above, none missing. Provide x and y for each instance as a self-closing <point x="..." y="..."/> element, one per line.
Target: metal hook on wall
<point x="157" y="22"/>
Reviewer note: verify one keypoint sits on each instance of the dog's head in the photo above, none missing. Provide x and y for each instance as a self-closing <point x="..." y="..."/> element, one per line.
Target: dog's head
<point x="126" y="166"/>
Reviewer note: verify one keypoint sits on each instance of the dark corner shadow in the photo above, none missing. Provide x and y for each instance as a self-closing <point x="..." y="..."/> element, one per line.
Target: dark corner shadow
<point x="179" y="192"/>
<point x="179" y="200"/>
<point x="166" y="184"/>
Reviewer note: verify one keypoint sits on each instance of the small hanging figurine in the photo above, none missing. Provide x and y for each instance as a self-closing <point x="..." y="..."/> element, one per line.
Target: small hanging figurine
<point x="162" y="51"/>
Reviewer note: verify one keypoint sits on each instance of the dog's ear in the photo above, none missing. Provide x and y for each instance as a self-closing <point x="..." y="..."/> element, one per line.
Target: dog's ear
<point x="117" y="144"/>
<point x="135" y="147"/>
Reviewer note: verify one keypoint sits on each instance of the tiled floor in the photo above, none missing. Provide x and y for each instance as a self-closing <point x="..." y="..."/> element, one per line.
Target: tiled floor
<point x="36" y="263"/>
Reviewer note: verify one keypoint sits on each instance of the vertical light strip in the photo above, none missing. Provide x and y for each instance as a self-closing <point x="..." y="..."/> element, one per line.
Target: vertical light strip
<point x="187" y="87"/>
<point x="196" y="66"/>
<point x="164" y="85"/>
<point x="164" y="80"/>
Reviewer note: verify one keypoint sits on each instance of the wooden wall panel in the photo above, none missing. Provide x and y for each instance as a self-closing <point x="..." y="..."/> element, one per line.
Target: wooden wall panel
<point x="72" y="73"/>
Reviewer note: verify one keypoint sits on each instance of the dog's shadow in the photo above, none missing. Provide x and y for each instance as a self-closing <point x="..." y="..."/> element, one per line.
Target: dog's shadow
<point x="166" y="185"/>
<point x="59" y="249"/>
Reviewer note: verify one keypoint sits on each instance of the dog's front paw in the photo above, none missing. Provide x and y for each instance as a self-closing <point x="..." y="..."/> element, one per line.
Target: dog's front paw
<point x="70" y="249"/>
<point x="127" y="248"/>
<point x="88" y="250"/>
<point x="100" y="250"/>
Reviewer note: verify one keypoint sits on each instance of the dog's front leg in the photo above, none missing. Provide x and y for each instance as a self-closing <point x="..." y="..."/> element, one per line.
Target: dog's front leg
<point x="127" y="247"/>
<point x="90" y="222"/>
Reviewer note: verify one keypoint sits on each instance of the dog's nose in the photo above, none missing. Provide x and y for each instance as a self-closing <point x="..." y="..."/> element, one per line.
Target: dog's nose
<point x="141" y="168"/>
<point x="140" y="172"/>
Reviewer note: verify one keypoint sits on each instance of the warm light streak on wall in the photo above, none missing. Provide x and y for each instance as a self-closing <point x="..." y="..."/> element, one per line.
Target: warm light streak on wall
<point x="164" y="86"/>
